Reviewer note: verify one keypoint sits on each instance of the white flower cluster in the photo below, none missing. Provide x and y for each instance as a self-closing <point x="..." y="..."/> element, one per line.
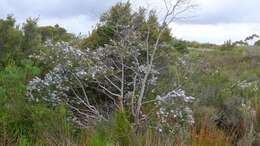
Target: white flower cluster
<point x="154" y="73"/>
<point x="60" y="52"/>
<point x="246" y="84"/>
<point x="174" y="110"/>
<point x="174" y="94"/>
<point x="51" y="88"/>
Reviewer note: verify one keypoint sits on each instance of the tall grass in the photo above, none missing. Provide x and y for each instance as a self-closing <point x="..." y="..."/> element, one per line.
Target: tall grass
<point x="209" y="135"/>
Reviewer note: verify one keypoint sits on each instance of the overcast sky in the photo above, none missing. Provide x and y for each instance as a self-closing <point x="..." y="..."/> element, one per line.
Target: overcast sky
<point x="212" y="21"/>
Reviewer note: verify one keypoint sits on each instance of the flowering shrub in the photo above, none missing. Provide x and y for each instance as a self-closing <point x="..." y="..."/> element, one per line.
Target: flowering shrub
<point x="174" y="111"/>
<point x="66" y="82"/>
<point x="115" y="73"/>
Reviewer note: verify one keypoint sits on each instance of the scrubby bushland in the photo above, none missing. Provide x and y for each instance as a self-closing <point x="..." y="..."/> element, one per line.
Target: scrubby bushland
<point x="128" y="83"/>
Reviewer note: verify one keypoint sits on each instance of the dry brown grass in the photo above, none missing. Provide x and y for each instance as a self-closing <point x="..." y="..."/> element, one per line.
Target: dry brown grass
<point x="209" y="135"/>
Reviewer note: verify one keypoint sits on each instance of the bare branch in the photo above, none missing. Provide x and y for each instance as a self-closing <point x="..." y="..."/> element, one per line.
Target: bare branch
<point x="112" y="83"/>
<point x="114" y="94"/>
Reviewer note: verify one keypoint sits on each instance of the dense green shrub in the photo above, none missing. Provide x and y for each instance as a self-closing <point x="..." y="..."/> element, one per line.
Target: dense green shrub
<point x="15" y="113"/>
<point x="180" y="46"/>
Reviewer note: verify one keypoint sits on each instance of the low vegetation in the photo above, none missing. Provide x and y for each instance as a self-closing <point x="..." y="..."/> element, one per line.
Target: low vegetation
<point x="128" y="83"/>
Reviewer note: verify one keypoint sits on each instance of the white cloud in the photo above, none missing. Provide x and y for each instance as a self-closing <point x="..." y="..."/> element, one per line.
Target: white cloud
<point x="227" y="11"/>
<point x="78" y="24"/>
<point x="56" y="8"/>
<point x="215" y="33"/>
<point x="214" y="21"/>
